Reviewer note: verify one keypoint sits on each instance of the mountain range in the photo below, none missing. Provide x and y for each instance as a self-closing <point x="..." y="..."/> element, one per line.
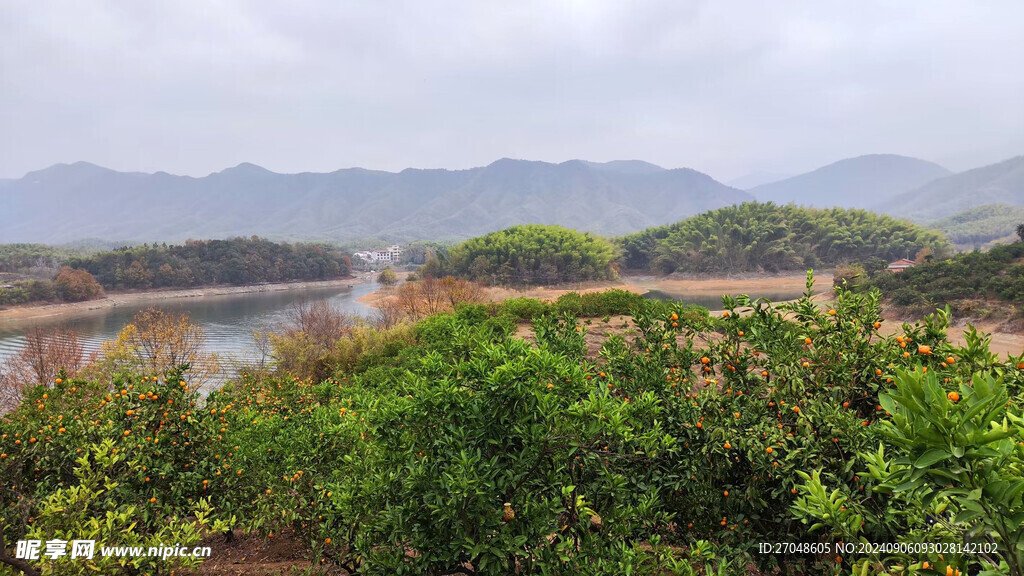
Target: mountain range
<point x="1000" y="183"/>
<point x="72" y="202"/>
<point x="753" y="179"/>
<point x="68" y="202"/>
<point x="860" y="182"/>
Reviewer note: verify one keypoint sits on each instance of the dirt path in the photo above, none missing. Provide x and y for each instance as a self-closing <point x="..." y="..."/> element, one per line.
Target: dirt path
<point x="128" y="298"/>
<point x="1002" y="343"/>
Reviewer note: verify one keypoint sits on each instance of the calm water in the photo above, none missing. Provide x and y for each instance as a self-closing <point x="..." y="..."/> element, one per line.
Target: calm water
<point x="228" y="320"/>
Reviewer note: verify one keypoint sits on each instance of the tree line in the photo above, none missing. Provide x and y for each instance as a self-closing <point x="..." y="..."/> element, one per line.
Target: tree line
<point x="237" y="261"/>
<point x="766" y="237"/>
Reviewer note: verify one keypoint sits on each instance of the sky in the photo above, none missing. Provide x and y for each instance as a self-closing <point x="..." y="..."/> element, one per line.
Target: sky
<point x="724" y="87"/>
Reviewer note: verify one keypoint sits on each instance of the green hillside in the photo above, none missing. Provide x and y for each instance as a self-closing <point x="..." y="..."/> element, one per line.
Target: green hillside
<point x="996" y="275"/>
<point x="768" y="237"/>
<point x="532" y="254"/>
<point x="977" y="227"/>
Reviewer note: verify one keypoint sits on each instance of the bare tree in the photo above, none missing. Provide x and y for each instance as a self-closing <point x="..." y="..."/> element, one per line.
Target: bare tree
<point x="432" y="295"/>
<point x="408" y="298"/>
<point x="265" y="348"/>
<point x="389" y="312"/>
<point x="46" y="353"/>
<point x="321" y="323"/>
<point x="459" y="290"/>
<point x="155" y="342"/>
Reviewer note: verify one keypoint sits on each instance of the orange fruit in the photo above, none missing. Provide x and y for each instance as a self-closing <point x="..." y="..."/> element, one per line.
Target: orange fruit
<point x="728" y="446"/>
<point x="768" y="449"/>
<point x="953" y="396"/>
<point x="924" y="349"/>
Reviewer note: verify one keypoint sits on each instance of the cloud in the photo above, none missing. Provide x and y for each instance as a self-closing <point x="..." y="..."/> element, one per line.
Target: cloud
<point x="724" y="87"/>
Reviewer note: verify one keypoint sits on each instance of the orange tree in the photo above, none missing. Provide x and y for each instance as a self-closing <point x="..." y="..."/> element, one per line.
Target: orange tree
<point x="424" y="457"/>
<point x="142" y="439"/>
<point x="775" y="390"/>
<point x="797" y="422"/>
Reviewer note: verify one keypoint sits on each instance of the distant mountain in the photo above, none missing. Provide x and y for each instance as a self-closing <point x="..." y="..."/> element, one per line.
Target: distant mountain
<point x="625" y="166"/>
<point x="1001" y="183"/>
<point x="852" y="183"/>
<point x="978" y="227"/>
<point x="748" y="181"/>
<point x="69" y="202"/>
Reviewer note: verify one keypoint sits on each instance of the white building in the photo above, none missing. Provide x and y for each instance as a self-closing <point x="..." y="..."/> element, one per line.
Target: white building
<point x="388" y="255"/>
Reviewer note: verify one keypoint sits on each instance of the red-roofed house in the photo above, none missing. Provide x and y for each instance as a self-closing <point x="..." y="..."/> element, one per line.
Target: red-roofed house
<point x="900" y="265"/>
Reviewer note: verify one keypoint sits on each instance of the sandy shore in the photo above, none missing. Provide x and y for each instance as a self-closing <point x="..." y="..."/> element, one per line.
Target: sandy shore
<point x="132" y="298"/>
<point x="694" y="287"/>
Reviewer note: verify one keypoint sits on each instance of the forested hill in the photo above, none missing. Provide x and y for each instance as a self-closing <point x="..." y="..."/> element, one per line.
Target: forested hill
<point x="208" y="262"/>
<point x="610" y="199"/>
<point x="764" y="236"/>
<point x="531" y="254"/>
<point x="981" y="226"/>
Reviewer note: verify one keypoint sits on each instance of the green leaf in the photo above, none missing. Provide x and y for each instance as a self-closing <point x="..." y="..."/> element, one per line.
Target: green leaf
<point x="931" y="457"/>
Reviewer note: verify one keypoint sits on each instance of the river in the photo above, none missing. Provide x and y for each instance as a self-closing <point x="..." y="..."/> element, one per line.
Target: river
<point x="228" y="320"/>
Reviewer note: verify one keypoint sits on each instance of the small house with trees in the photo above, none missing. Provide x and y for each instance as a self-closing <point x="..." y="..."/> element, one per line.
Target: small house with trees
<point x="900" y="265"/>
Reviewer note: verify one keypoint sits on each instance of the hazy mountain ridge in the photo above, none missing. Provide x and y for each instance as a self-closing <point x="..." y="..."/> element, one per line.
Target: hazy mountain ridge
<point x="859" y="182"/>
<point x="981" y="226"/>
<point x="68" y="202"/>
<point x="1000" y="183"/>
<point x="757" y="178"/>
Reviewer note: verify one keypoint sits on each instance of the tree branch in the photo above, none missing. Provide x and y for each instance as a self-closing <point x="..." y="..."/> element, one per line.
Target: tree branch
<point x="16" y="563"/>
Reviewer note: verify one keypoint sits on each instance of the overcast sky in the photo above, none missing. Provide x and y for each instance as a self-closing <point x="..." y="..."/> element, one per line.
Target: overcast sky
<point x="723" y="87"/>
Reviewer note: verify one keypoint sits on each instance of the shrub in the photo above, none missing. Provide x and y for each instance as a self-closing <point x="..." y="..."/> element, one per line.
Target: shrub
<point x="532" y="254"/>
<point x="524" y="308"/>
<point x="75" y="285"/>
<point x="674" y="450"/>
<point x="387" y="277"/>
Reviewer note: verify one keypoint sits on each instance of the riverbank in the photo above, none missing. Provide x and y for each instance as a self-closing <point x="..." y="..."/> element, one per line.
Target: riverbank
<point x="113" y="300"/>
<point x="687" y="287"/>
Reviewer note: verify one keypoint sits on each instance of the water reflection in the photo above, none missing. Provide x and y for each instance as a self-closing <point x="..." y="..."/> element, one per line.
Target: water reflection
<point x="228" y="320"/>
